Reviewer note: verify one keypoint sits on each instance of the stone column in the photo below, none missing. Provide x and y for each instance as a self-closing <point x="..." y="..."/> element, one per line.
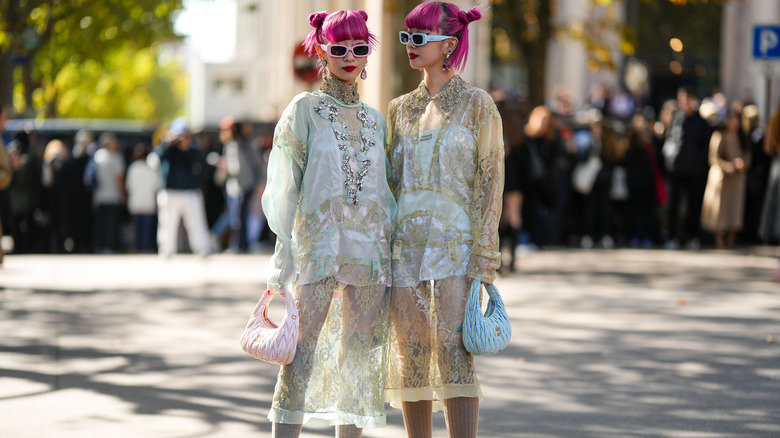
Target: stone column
<point x="741" y="76"/>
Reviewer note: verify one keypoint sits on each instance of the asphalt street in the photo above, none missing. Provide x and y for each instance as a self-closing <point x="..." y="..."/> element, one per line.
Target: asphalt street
<point x="621" y="343"/>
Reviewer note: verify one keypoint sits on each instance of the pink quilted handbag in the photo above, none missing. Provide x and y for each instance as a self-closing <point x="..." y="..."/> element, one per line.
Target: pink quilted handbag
<point x="265" y="340"/>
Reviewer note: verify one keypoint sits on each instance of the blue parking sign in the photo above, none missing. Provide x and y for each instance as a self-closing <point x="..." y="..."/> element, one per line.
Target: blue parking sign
<point x="766" y="43"/>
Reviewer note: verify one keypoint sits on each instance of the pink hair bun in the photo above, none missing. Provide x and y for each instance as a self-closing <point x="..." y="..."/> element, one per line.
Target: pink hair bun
<point x="363" y="14"/>
<point x="472" y="15"/>
<point x="317" y="18"/>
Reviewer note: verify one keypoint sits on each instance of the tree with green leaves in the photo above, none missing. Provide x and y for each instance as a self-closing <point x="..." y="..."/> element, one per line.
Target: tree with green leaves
<point x="530" y="25"/>
<point x="49" y="48"/>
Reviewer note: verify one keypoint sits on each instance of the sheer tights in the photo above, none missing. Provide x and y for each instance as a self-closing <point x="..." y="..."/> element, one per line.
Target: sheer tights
<point x="461" y="414"/>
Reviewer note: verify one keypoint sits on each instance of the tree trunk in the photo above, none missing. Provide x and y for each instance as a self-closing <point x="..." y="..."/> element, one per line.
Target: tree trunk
<point x="408" y="78"/>
<point x="51" y="106"/>
<point x="6" y="81"/>
<point x="533" y="41"/>
<point x="536" y="65"/>
<point x="9" y="21"/>
<point x="27" y="82"/>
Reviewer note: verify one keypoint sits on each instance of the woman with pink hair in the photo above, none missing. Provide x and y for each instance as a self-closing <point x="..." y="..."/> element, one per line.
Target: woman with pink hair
<point x="447" y="159"/>
<point x="329" y="203"/>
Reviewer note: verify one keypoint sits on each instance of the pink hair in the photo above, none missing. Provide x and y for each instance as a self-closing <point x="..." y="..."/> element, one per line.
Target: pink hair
<point x="335" y="27"/>
<point x="445" y="19"/>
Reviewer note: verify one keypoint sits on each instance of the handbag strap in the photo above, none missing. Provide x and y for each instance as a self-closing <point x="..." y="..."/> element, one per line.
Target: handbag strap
<point x="495" y="299"/>
<point x="475" y="294"/>
<point x="289" y="301"/>
<point x="492" y="291"/>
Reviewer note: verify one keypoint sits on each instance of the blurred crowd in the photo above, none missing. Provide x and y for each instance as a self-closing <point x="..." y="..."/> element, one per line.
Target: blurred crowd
<point x="612" y="173"/>
<point x="617" y="173"/>
<point x="109" y="193"/>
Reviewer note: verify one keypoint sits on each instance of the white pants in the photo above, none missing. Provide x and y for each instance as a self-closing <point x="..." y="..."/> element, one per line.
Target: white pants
<point x="174" y="206"/>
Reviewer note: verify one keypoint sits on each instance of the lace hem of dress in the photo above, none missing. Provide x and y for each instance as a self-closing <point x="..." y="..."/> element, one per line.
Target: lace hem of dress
<point x="396" y="396"/>
<point x="326" y="418"/>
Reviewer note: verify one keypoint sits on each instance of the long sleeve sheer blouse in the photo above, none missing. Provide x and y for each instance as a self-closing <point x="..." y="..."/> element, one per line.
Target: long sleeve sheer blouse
<point x="447" y="160"/>
<point x="327" y="197"/>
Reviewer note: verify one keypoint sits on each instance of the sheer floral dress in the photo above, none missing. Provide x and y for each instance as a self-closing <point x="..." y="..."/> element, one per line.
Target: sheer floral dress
<point x="447" y="159"/>
<point x="328" y="201"/>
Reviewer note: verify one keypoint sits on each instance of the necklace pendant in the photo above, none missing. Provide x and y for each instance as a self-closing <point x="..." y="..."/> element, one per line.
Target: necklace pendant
<point x="353" y="182"/>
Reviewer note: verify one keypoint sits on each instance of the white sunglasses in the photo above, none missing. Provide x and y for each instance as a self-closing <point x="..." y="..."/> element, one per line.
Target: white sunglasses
<point x="420" y="39"/>
<point x="359" y="50"/>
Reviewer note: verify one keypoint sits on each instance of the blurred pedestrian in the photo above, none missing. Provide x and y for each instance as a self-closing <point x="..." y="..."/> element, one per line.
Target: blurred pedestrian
<point x="511" y="218"/>
<point x="212" y="186"/>
<point x="56" y="157"/>
<point x="685" y="151"/>
<point x="770" y="216"/>
<point x="599" y="206"/>
<point x="109" y="195"/>
<point x="143" y="183"/>
<point x="257" y="223"/>
<point x="586" y="141"/>
<point x="180" y="199"/>
<point x="24" y="195"/>
<point x="599" y="98"/>
<point x="621" y="105"/>
<point x="661" y="130"/>
<point x="328" y="201"/>
<point x="757" y="174"/>
<point x="641" y="174"/>
<point x="242" y="166"/>
<point x="6" y="173"/>
<point x="544" y="181"/>
<point x="724" y="197"/>
<point x="447" y="158"/>
<point x="79" y="215"/>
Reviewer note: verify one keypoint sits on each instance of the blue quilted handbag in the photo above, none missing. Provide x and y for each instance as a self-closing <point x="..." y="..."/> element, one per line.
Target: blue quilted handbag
<point x="488" y="333"/>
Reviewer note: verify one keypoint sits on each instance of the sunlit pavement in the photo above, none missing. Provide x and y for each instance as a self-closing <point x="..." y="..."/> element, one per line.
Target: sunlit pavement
<point x="624" y="343"/>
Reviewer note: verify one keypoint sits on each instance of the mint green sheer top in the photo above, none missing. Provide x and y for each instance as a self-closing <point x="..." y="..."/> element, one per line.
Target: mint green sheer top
<point x="327" y="196"/>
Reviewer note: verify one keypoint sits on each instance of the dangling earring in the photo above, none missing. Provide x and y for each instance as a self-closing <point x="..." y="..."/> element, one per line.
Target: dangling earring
<point x="363" y="74"/>
<point x="445" y="67"/>
<point x="324" y="68"/>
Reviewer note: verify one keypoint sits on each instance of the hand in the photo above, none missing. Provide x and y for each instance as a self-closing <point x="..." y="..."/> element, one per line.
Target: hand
<point x="739" y="164"/>
<point x="15" y="159"/>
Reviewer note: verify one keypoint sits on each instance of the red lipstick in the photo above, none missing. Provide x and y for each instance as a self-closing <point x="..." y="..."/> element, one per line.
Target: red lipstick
<point x="412" y="56"/>
<point x="350" y="68"/>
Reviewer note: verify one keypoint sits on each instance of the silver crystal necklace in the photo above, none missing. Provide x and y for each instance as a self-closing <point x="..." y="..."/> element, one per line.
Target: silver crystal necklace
<point x="329" y="110"/>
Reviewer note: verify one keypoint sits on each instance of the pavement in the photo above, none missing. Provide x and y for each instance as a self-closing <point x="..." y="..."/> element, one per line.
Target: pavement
<point x="619" y="343"/>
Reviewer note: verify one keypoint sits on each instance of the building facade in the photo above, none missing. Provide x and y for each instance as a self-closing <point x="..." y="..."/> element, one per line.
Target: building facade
<point x="259" y="83"/>
<point x="741" y="75"/>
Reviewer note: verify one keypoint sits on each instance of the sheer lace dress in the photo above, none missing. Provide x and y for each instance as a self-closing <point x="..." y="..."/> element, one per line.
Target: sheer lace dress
<point x="447" y="159"/>
<point x="328" y="201"/>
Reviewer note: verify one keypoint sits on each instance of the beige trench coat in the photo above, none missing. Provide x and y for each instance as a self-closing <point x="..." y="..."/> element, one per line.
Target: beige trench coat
<point x="724" y="197"/>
